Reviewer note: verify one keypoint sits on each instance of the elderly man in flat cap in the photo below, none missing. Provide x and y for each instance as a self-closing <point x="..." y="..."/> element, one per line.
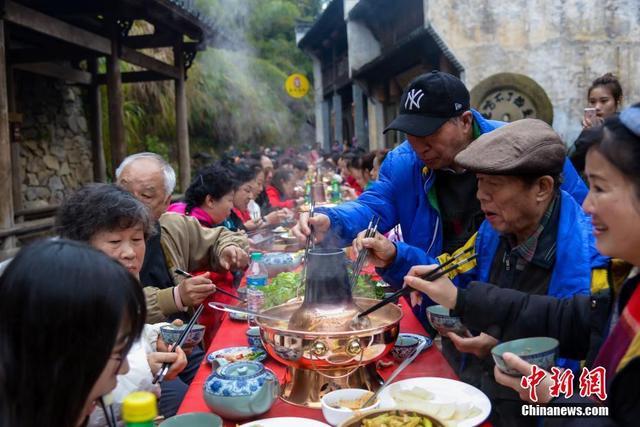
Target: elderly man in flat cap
<point x="420" y="187"/>
<point x="535" y="238"/>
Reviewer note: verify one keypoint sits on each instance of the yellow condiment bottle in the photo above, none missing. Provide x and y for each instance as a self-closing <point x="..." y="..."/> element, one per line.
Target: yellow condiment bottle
<point x="139" y="409"/>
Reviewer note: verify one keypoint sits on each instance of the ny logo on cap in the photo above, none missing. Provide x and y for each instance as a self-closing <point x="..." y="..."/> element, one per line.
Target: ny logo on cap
<point x="413" y="98"/>
<point x="457" y="106"/>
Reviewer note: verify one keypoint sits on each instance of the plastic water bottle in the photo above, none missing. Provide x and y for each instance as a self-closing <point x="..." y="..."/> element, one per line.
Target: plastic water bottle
<point x="256" y="280"/>
<point x="139" y="409"/>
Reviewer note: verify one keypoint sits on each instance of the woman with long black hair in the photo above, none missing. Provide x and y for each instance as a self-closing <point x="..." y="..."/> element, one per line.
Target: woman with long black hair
<point x="68" y="316"/>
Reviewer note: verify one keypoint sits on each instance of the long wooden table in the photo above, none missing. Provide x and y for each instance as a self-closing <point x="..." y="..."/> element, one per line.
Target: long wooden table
<point x="430" y="363"/>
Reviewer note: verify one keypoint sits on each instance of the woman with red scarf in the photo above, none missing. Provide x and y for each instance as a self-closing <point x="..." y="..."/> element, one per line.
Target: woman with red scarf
<point x="209" y="199"/>
<point x="281" y="190"/>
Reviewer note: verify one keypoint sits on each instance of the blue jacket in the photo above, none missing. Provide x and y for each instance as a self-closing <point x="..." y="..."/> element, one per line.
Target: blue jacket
<point x="578" y="265"/>
<point x="576" y="253"/>
<point x="401" y="196"/>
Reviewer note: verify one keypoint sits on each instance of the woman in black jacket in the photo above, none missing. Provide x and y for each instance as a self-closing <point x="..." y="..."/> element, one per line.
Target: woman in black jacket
<point x="603" y="328"/>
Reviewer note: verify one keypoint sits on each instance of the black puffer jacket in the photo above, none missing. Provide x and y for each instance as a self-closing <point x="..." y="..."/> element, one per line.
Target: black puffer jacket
<point x="580" y="325"/>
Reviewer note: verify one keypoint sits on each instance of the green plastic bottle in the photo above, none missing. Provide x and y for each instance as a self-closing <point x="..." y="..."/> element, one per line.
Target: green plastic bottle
<point x="139" y="409"/>
<point x="335" y="191"/>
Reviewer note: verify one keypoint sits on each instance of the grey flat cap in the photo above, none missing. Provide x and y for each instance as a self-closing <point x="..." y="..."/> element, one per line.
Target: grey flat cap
<point x="524" y="147"/>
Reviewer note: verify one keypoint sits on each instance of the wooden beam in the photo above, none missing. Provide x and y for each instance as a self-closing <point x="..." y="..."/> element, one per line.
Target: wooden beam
<point x="6" y="179"/>
<point x="34" y="226"/>
<point x="52" y="27"/>
<point x="150" y="41"/>
<point x="57" y="71"/>
<point x="134" y="77"/>
<point x="169" y="15"/>
<point x="182" y="121"/>
<point x="116" y="104"/>
<point x="134" y="57"/>
<point x="95" y="120"/>
<point x="56" y="28"/>
<point x="15" y="120"/>
<point x="29" y="55"/>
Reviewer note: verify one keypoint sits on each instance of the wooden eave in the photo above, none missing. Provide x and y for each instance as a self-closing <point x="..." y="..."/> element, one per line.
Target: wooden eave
<point x="39" y="41"/>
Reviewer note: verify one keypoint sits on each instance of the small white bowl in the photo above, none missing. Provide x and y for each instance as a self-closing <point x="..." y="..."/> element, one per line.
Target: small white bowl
<point x="335" y="416"/>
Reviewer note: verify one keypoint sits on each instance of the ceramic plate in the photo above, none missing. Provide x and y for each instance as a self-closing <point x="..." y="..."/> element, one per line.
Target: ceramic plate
<point x="445" y="391"/>
<point x="421" y="338"/>
<point x="285" y="421"/>
<point x="258" y="355"/>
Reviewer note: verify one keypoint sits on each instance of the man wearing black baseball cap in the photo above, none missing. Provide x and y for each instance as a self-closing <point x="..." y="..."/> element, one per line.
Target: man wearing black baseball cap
<point x="420" y="187"/>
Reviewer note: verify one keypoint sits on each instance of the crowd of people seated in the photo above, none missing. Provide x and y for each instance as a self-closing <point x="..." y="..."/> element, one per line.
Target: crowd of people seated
<point x="553" y="255"/>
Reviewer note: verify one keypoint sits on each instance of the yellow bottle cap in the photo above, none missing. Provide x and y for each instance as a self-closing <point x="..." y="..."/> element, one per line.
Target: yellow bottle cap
<point x="139" y="406"/>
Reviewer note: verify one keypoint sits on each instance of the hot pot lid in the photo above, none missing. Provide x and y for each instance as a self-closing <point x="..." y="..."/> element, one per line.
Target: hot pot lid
<point x="240" y="370"/>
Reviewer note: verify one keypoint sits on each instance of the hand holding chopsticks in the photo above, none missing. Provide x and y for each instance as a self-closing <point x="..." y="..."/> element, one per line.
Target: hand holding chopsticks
<point x="370" y="232"/>
<point x="433" y="275"/>
<point x="222" y="291"/>
<point x="183" y="337"/>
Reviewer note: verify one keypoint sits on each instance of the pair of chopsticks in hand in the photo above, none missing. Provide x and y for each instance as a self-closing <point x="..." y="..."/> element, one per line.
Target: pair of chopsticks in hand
<point x="433" y="275"/>
<point x="183" y="336"/>
<point x="222" y="291"/>
<point x="371" y="230"/>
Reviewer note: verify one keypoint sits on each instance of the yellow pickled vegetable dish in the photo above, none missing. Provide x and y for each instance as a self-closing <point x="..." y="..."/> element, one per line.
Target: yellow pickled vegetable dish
<point x="405" y="420"/>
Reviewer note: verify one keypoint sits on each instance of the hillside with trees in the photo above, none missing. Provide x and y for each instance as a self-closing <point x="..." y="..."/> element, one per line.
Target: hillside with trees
<point x="235" y="89"/>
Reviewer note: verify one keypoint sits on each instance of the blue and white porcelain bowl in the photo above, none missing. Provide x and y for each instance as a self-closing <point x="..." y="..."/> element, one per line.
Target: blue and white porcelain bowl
<point x="540" y="351"/>
<point x="253" y="337"/>
<point x="241" y="390"/>
<point x="443" y="322"/>
<point x="405" y="346"/>
<point x="171" y="334"/>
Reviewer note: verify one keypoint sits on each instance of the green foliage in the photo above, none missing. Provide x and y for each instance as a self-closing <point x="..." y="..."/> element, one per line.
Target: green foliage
<point x="235" y="91"/>
<point x="286" y="286"/>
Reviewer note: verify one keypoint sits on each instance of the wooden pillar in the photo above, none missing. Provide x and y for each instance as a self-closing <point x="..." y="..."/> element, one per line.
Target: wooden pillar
<point x="6" y="176"/>
<point x="360" y="130"/>
<point x="182" y="125"/>
<point x="15" y="121"/>
<point x="326" y="125"/>
<point x="337" y="114"/>
<point x="116" y="114"/>
<point x="95" y="113"/>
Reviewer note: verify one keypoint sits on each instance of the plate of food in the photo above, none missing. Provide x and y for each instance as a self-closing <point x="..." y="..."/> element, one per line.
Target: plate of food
<point x="237" y="354"/>
<point x="285" y="421"/>
<point x="280" y="229"/>
<point x="451" y="401"/>
<point x="392" y="417"/>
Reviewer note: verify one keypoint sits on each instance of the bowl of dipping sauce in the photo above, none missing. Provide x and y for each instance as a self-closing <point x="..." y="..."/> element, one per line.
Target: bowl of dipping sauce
<point x="340" y="405"/>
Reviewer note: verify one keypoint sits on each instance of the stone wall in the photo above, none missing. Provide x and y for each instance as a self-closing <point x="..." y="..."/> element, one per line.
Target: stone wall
<point x="562" y="45"/>
<point x="55" y="156"/>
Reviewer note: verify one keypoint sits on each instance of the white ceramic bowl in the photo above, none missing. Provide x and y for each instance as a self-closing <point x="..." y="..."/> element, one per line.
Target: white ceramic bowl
<point x="335" y="416"/>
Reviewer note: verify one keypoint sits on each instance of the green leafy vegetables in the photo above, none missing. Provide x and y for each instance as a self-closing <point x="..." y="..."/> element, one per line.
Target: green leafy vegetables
<point x="285" y="287"/>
